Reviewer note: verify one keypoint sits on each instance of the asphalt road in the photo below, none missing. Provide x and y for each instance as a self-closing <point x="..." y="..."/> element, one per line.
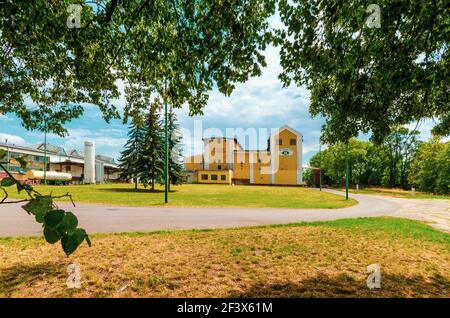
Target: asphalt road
<point x="95" y="218"/>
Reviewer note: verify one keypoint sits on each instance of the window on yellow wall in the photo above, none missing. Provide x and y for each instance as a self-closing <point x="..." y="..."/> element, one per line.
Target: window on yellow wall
<point x="204" y="177"/>
<point x="293" y="142"/>
<point x="223" y="177"/>
<point x="214" y="177"/>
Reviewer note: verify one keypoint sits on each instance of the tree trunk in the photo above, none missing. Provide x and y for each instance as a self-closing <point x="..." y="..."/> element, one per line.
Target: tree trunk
<point x="153" y="180"/>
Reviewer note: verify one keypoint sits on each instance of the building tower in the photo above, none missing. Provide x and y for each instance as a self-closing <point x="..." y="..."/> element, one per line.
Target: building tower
<point x="89" y="162"/>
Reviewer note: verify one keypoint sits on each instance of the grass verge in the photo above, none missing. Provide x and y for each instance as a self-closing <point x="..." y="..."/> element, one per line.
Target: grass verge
<point x="203" y="195"/>
<point x="319" y="259"/>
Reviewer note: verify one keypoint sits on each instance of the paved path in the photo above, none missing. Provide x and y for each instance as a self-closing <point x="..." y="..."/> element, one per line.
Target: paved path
<point x="101" y="218"/>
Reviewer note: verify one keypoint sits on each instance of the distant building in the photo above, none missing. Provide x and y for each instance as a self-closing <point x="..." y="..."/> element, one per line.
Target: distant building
<point x="225" y="161"/>
<point x="60" y="160"/>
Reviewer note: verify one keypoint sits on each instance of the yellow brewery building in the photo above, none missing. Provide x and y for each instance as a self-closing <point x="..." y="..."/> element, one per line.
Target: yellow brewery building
<point x="225" y="161"/>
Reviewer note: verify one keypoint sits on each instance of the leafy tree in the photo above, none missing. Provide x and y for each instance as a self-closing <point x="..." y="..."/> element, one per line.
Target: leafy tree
<point x="152" y="166"/>
<point x="332" y="162"/>
<point x="130" y="161"/>
<point x="364" y="78"/>
<point x="398" y="149"/>
<point x="430" y="167"/>
<point x="176" y="175"/>
<point x="308" y="177"/>
<point x="387" y="164"/>
<point x="49" y="70"/>
<point x="193" y="46"/>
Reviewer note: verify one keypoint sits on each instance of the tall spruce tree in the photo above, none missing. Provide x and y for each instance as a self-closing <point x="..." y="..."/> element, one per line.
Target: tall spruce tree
<point x="130" y="161"/>
<point x="153" y="148"/>
<point x="176" y="175"/>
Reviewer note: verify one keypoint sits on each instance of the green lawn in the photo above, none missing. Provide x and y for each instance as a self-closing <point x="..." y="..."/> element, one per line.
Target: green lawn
<point x="398" y="193"/>
<point x="200" y="195"/>
<point x="320" y="259"/>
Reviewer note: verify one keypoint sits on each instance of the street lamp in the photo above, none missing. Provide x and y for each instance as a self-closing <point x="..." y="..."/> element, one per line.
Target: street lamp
<point x="346" y="171"/>
<point x="320" y="164"/>
<point x="166" y="159"/>
<point x="45" y="157"/>
<point x="7" y="154"/>
<point x="166" y="152"/>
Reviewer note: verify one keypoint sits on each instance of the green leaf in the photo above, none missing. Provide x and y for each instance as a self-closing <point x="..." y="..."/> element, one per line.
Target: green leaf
<point x="72" y="240"/>
<point x="51" y="236"/>
<point x="53" y="218"/>
<point x="69" y="221"/>
<point x="6" y="182"/>
<point x="40" y="204"/>
<point x="40" y="217"/>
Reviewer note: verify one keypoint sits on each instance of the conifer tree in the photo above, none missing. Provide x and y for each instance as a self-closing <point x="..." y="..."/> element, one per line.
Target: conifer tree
<point x="176" y="175"/>
<point x="152" y="168"/>
<point x="130" y="161"/>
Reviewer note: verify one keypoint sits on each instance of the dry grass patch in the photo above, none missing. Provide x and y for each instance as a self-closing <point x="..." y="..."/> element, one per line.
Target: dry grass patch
<point x="326" y="259"/>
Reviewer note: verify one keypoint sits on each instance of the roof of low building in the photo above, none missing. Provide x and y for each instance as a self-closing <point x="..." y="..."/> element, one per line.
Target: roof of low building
<point x="75" y="153"/>
<point x="57" y="150"/>
<point x="52" y="148"/>
<point x="105" y="159"/>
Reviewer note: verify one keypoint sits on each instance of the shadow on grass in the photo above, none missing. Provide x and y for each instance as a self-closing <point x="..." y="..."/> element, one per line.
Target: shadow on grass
<point x="25" y="275"/>
<point x="343" y="285"/>
<point x="132" y="190"/>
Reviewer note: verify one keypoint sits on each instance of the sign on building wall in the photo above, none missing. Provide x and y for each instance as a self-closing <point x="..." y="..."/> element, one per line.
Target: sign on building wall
<point x="286" y="152"/>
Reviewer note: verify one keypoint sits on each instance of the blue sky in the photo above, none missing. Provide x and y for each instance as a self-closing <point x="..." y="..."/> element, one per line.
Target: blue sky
<point x="260" y="103"/>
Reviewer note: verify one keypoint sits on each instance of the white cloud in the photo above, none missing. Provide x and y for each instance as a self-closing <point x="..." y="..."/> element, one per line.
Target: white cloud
<point x="101" y="138"/>
<point x="12" y="139"/>
<point x="5" y="118"/>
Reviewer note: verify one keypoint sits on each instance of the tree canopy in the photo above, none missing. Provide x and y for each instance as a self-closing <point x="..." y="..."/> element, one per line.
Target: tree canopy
<point x="368" y="77"/>
<point x="430" y="169"/>
<point x="385" y="164"/>
<point x="50" y="71"/>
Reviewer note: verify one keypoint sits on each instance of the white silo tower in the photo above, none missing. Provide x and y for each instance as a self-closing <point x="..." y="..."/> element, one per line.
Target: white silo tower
<point x="89" y="162"/>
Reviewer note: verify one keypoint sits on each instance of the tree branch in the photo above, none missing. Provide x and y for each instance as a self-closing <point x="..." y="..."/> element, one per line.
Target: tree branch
<point x="110" y="11"/>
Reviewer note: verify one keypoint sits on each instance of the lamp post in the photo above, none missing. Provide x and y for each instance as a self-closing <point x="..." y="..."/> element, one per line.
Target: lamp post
<point x="346" y="171"/>
<point x="320" y="165"/>
<point x="7" y="154"/>
<point x="166" y="152"/>
<point x="45" y="157"/>
<point x="166" y="156"/>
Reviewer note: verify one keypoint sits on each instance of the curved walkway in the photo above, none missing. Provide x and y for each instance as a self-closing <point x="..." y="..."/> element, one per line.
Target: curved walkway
<point x="101" y="218"/>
